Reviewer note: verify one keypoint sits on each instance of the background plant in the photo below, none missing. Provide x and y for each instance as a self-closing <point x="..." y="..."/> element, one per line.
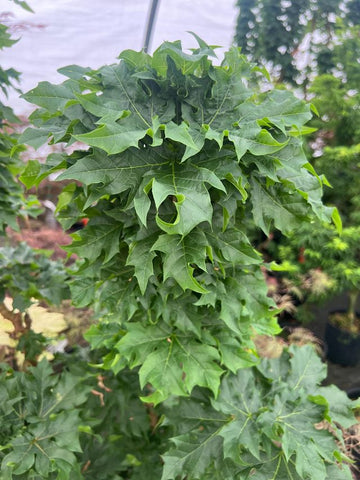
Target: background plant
<point x="297" y="40"/>
<point x="12" y="201"/>
<point x="37" y="414"/>
<point x="26" y="275"/>
<point x="337" y="142"/>
<point x="335" y="257"/>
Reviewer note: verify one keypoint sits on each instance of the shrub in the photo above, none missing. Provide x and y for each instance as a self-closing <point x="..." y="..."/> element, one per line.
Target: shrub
<point x="182" y="156"/>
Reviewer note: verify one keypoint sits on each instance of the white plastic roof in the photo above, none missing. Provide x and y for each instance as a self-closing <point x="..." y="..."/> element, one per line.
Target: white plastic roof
<point x="93" y="33"/>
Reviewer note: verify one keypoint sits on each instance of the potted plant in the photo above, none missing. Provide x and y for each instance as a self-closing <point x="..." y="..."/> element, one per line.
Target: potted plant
<point x="183" y="155"/>
<point x="335" y="257"/>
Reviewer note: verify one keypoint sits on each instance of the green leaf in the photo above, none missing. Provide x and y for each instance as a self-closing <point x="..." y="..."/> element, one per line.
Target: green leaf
<point x="170" y="56"/>
<point x="74" y="72"/>
<point x="339" y="408"/>
<point x="233" y="354"/>
<point x="294" y="168"/>
<point x="180" y="133"/>
<point x="135" y="59"/>
<point x="97" y="240"/>
<point x="35" y="137"/>
<point x="285" y="110"/>
<point x="262" y="143"/>
<point x="272" y="205"/>
<point x="233" y="247"/>
<point x="240" y="399"/>
<point x="307" y="368"/>
<point x="129" y="94"/>
<point x="162" y="369"/>
<point x="107" y="109"/>
<point x="181" y="256"/>
<point x="23" y="5"/>
<point x="141" y="257"/>
<point x="52" y="97"/>
<point x="190" y="455"/>
<point x="114" y="137"/>
<point x="250" y="303"/>
<point x="142" y="203"/>
<point x="276" y="468"/>
<point x="119" y="294"/>
<point x="83" y="292"/>
<point x="140" y="341"/>
<point x="191" y="199"/>
<point x="35" y="172"/>
<point x="101" y="334"/>
<point x="170" y="364"/>
<point x="199" y="363"/>
<point x="301" y="419"/>
<point x="21" y="459"/>
<point x="336" y="472"/>
<point x="113" y="174"/>
<point x="337" y="220"/>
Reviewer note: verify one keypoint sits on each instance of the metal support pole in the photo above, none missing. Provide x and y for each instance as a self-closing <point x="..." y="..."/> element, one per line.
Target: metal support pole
<point x="150" y="24"/>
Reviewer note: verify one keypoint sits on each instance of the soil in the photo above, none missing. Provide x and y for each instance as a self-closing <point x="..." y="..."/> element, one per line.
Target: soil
<point x="40" y="236"/>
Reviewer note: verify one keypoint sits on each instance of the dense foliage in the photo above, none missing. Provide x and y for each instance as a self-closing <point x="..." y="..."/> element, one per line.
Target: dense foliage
<point x="183" y="156"/>
<point x="38" y="416"/>
<point x="63" y="430"/>
<point x="182" y="152"/>
<point x="238" y="435"/>
<point x="297" y="38"/>
<point x="338" y="138"/>
<point x="28" y="275"/>
<point x="11" y="192"/>
<point x="329" y="266"/>
<point x="25" y="275"/>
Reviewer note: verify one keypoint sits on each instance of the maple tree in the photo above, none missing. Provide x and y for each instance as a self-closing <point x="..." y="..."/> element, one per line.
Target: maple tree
<point x="181" y="156"/>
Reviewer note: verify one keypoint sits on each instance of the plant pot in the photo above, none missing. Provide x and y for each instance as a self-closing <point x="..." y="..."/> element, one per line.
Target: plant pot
<point x="353" y="393"/>
<point x="343" y="347"/>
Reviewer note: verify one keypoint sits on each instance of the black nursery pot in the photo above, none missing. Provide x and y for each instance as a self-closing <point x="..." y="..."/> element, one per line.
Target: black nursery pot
<point x="353" y="393"/>
<point x="343" y="347"/>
